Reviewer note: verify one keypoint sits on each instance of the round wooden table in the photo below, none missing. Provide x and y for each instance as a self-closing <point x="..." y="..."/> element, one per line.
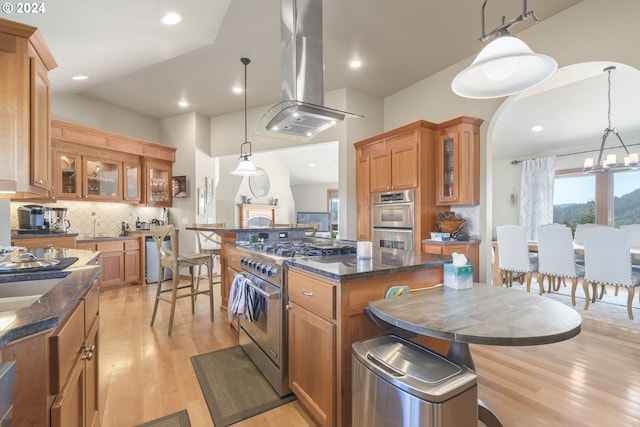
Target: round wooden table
<point x="483" y="314"/>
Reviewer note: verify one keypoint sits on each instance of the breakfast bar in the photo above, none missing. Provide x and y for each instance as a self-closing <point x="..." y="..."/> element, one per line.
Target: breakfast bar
<point x="483" y="314"/>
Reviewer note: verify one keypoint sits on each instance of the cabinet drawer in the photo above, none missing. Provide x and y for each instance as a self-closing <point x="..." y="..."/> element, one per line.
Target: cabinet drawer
<point x="87" y="246"/>
<point x="110" y="246"/>
<point x="312" y="293"/>
<point x="65" y="346"/>
<point x="132" y="245"/>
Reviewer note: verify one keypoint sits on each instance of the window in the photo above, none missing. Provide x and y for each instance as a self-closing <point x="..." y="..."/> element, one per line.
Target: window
<point x="333" y="204"/>
<point x="605" y="198"/>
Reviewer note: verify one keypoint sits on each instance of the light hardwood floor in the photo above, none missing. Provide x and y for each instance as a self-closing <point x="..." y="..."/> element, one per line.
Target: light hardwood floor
<point x="590" y="380"/>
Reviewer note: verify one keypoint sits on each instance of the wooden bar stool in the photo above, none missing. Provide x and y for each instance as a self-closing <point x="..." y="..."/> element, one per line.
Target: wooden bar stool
<point x="171" y="259"/>
<point x="209" y="243"/>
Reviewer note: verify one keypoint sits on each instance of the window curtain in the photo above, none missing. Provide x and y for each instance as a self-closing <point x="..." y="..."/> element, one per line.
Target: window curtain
<point x="536" y="194"/>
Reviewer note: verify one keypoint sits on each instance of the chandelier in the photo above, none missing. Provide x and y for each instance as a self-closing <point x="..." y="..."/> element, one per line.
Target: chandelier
<point x="610" y="162"/>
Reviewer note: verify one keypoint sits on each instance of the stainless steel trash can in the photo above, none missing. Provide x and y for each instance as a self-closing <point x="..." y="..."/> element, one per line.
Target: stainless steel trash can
<point x="396" y="383"/>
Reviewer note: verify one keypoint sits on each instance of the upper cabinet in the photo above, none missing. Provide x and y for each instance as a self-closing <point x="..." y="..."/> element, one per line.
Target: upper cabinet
<point x="394" y="163"/>
<point x="90" y="164"/>
<point x="458" y="162"/>
<point x="25" y="61"/>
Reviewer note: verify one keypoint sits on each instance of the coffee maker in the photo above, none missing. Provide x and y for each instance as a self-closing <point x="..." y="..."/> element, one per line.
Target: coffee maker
<point x="31" y="217"/>
<point x="59" y="223"/>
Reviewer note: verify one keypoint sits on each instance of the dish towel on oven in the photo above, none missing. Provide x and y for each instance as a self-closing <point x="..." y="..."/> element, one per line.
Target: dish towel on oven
<point x="237" y="306"/>
<point x="256" y="302"/>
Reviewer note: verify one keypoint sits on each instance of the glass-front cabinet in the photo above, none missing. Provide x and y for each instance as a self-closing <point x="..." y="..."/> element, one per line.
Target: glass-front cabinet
<point x="132" y="179"/>
<point x="158" y="183"/>
<point x="67" y="180"/>
<point x="102" y="179"/>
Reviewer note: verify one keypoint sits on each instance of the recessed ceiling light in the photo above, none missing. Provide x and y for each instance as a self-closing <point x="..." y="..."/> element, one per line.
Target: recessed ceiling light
<point x="171" y="18"/>
<point x="312" y="165"/>
<point x="81" y="77"/>
<point x="237" y="89"/>
<point x="183" y="104"/>
<point x="537" y="128"/>
<point x="355" y="63"/>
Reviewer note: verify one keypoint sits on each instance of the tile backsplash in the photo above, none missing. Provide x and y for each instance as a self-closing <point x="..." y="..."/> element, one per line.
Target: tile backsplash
<point x="109" y="216"/>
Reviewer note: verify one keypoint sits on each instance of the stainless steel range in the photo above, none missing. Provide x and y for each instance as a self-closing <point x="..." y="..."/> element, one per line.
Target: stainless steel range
<point x="263" y="335"/>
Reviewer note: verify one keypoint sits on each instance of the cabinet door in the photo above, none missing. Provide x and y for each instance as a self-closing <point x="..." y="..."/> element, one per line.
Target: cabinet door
<point x="91" y="385"/>
<point x="111" y="262"/>
<point x="131" y="260"/>
<point x="132" y="182"/>
<point x="312" y="363"/>
<point x="363" y="198"/>
<point x="380" y="163"/>
<point x="158" y="184"/>
<point x="458" y="165"/>
<point x="404" y="161"/>
<point x="67" y="169"/>
<point x="68" y="408"/>
<point x="102" y="179"/>
<point x="447" y="167"/>
<point x="40" y="163"/>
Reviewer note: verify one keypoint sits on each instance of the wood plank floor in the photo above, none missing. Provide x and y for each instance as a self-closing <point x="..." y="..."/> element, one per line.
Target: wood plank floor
<point x="590" y="380"/>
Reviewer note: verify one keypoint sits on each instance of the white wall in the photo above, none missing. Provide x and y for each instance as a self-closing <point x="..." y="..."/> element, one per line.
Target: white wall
<point x="312" y="197"/>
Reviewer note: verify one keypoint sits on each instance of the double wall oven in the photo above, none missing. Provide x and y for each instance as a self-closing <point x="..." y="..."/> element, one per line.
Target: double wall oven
<point x="393" y="219"/>
<point x="263" y="332"/>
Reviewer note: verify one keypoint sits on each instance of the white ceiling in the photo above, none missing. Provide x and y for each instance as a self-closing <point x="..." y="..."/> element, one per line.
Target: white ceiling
<point x="135" y="62"/>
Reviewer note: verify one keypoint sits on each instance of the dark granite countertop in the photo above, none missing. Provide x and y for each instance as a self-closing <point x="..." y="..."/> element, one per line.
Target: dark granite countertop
<point x="348" y="267"/>
<point x="16" y="235"/>
<point x="47" y="311"/>
<point x="85" y="239"/>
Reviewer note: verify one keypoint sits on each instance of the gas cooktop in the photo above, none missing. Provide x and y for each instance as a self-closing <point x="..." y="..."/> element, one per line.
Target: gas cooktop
<point x="300" y="249"/>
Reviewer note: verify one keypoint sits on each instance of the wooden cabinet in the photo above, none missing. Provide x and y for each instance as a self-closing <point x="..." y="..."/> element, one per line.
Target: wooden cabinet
<point x="25" y="144"/>
<point x="101" y="166"/>
<point x="458" y="162"/>
<point x="74" y="366"/>
<point x="398" y="159"/>
<point x="120" y="260"/>
<point x="55" y="241"/>
<point x="470" y="249"/>
<point x="254" y="215"/>
<point x="230" y="263"/>
<point x="132" y="261"/>
<point x="312" y="343"/>
<point x="157" y="183"/>
<point x="325" y="317"/>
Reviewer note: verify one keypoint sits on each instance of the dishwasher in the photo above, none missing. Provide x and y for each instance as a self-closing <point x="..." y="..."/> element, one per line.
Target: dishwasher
<point x="151" y="260"/>
<point x="397" y="383"/>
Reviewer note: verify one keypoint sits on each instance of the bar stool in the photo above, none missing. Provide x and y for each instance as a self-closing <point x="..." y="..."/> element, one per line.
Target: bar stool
<point x="171" y="259"/>
<point x="209" y="243"/>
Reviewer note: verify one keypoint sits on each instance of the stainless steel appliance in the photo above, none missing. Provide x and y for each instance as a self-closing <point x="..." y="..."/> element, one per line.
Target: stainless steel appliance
<point x="151" y="260"/>
<point x="31" y="217"/>
<point x="393" y="219"/>
<point x="397" y="383"/>
<point x="264" y="339"/>
<point x="59" y="221"/>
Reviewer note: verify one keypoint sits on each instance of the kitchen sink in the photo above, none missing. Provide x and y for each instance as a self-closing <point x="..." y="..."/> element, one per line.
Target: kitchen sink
<point x="17" y="295"/>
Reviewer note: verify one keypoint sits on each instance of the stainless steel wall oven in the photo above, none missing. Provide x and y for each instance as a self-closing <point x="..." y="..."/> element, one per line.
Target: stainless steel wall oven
<point x="393" y="219"/>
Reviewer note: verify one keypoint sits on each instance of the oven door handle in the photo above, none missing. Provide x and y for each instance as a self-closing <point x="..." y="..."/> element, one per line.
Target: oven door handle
<point x="272" y="295"/>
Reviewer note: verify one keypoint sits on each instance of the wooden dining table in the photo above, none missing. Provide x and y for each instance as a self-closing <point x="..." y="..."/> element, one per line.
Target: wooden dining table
<point x="483" y="314"/>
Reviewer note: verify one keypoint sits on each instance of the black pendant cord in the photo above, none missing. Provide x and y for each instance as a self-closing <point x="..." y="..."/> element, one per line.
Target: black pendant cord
<point x="245" y="61"/>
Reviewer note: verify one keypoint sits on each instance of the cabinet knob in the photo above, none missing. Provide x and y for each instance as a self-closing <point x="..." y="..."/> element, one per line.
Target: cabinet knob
<point x="88" y="353"/>
<point x="306" y="293"/>
<point x="38" y="182"/>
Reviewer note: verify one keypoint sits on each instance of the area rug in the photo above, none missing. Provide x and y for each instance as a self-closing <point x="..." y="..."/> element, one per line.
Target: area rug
<point x="178" y="419"/>
<point x="233" y="387"/>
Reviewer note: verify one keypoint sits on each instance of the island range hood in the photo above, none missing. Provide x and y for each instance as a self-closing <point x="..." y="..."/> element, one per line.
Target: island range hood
<point x="300" y="114"/>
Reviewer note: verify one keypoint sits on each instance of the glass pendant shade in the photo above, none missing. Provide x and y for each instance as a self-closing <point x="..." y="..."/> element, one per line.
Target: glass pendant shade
<point x="504" y="67"/>
<point x="245" y="168"/>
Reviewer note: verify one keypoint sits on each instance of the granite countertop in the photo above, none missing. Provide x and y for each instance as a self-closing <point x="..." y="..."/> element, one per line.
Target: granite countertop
<point x="450" y="242"/>
<point x="47" y="311"/>
<point x="15" y="235"/>
<point x="348" y="267"/>
<point x="85" y="239"/>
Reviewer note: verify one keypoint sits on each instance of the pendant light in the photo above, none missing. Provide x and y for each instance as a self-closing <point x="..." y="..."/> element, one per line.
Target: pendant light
<point x="610" y="163"/>
<point x="505" y="66"/>
<point x="245" y="167"/>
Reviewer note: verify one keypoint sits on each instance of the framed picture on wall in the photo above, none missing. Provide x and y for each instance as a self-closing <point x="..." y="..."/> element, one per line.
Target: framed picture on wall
<point x="209" y="187"/>
<point x="201" y="201"/>
<point x="179" y="186"/>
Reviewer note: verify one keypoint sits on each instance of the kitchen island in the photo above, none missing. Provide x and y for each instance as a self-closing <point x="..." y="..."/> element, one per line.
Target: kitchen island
<point x="327" y="297"/>
<point x="54" y="342"/>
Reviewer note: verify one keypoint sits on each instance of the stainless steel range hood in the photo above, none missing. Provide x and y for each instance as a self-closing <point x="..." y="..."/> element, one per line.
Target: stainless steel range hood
<point x="301" y="114"/>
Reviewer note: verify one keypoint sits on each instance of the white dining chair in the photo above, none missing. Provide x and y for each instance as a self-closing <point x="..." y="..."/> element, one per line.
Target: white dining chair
<point x="556" y="260"/>
<point x="607" y="260"/>
<point x="578" y="238"/>
<point x="634" y="240"/>
<point x="513" y="254"/>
